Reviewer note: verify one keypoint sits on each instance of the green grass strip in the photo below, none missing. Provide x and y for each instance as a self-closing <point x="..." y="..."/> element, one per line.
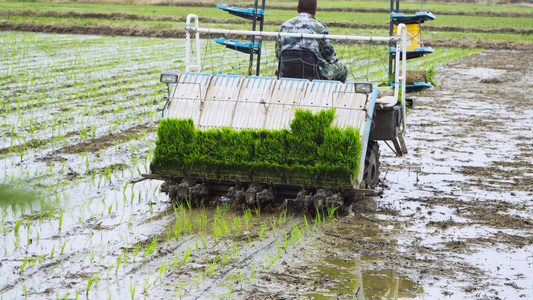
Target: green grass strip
<point x="278" y="15"/>
<point x="311" y="152"/>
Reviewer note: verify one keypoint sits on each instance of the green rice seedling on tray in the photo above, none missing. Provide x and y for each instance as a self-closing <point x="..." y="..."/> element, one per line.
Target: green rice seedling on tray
<point x="311" y="152"/>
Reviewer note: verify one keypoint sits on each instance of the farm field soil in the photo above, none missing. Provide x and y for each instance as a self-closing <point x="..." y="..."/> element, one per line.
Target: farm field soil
<point x="453" y="220"/>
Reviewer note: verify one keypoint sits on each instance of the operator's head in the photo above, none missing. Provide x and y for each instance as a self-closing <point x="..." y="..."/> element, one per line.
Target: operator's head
<point x="307" y="6"/>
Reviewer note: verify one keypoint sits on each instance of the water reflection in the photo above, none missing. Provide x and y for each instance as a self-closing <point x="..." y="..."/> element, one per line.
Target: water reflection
<point x="345" y="262"/>
<point x="16" y="195"/>
<point x="346" y="278"/>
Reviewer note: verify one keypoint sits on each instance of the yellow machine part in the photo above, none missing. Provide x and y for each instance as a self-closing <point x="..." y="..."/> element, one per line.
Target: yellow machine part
<point x="414" y="39"/>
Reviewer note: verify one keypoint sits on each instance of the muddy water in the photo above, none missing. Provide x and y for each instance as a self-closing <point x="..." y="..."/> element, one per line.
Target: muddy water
<point x="453" y="220"/>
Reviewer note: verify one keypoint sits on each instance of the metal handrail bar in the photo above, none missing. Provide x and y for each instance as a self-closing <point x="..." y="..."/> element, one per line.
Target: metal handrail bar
<point x="402" y="30"/>
<point x="400" y="39"/>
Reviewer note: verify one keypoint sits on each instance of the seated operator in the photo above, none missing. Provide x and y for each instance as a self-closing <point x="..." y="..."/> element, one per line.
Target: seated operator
<point x="328" y="64"/>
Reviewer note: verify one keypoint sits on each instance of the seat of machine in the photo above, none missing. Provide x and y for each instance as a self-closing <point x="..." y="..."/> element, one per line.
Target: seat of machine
<point x="299" y="63"/>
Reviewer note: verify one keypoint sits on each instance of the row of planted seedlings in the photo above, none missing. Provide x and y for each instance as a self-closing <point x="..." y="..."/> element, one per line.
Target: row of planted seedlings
<point x="124" y="100"/>
<point x="93" y="82"/>
<point x="207" y="252"/>
<point x="76" y="190"/>
<point x="65" y="53"/>
<point x="209" y="239"/>
<point x="62" y="71"/>
<point x="75" y="240"/>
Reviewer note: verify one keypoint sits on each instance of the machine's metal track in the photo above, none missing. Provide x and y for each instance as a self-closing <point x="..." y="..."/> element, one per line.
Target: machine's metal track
<point x="201" y="191"/>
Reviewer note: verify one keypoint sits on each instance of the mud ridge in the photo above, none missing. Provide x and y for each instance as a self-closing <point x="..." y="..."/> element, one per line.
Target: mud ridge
<point x="109" y="140"/>
<point x="180" y="33"/>
<point x="34" y="143"/>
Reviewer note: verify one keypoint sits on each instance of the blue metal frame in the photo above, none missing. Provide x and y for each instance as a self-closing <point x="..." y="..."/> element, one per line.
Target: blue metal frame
<point x="416" y="86"/>
<point x="419" y="17"/>
<point x="241" y="11"/>
<point x="366" y="133"/>
<point x="418" y="52"/>
<point x="236" y="45"/>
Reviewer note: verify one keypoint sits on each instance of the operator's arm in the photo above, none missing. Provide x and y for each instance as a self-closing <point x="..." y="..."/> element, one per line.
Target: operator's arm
<point x="326" y="49"/>
<point x="278" y="48"/>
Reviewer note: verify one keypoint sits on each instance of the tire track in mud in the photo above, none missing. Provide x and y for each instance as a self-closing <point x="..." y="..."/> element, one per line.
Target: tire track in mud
<point x="123" y="16"/>
<point x="28" y="107"/>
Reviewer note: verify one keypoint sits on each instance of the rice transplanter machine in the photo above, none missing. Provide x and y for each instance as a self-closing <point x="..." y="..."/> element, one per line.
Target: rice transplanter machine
<point x="224" y="103"/>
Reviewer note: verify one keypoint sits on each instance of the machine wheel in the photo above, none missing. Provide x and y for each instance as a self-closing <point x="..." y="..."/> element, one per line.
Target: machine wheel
<point x="371" y="173"/>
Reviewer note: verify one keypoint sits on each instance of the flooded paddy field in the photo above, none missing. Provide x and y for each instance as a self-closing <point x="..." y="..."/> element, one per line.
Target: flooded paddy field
<point x="78" y="120"/>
